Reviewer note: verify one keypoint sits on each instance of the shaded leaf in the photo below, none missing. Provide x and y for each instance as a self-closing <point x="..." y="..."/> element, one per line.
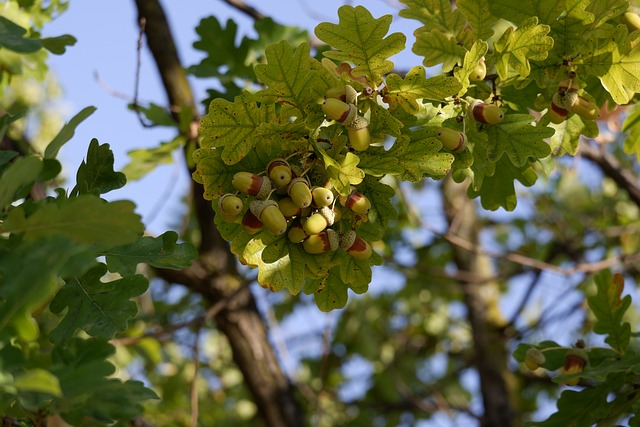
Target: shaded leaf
<point x="99" y="308"/>
<point x="331" y="292"/>
<point x="437" y="48"/>
<point x="478" y="16"/>
<point x="12" y="38"/>
<point x="416" y="86"/>
<point x="95" y="174"/>
<point x="20" y="173"/>
<point x="519" y="139"/>
<point x="609" y="308"/>
<point x="434" y="14"/>
<point x="58" y="45"/>
<point x="420" y="156"/>
<point x="38" y="380"/>
<point x="159" y="252"/>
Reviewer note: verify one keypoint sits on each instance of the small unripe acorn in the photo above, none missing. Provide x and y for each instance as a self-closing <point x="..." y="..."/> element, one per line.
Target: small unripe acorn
<point x="358" y="133"/>
<point x="288" y="208"/>
<point x="344" y="93"/>
<point x="533" y="358"/>
<point x="296" y="233"/>
<point x="355" y="245"/>
<point x="357" y="202"/>
<point x="486" y="113"/>
<point x="300" y="193"/>
<point x="480" y="72"/>
<point x="230" y="204"/>
<point x="250" y="223"/>
<point x="279" y="171"/>
<point x="586" y="109"/>
<point x="322" y="196"/>
<point x="269" y="214"/>
<point x="339" y="111"/>
<point x="325" y="241"/>
<point x="631" y="20"/>
<point x="251" y="184"/>
<point x="451" y="139"/>
<point x="320" y="220"/>
<point x="574" y="362"/>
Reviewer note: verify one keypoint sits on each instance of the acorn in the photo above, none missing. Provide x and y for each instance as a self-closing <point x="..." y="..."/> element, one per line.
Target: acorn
<point x="357" y="202"/>
<point x="279" y="171"/>
<point x="250" y="223"/>
<point x="631" y="20"/>
<point x="451" y="139"/>
<point x="574" y="362"/>
<point x="288" y="208"/>
<point x="251" y="184"/>
<point x="300" y="193"/>
<point x="358" y="132"/>
<point x="319" y="243"/>
<point x="355" y="245"/>
<point x="322" y="196"/>
<point x="344" y="93"/>
<point x="230" y="205"/>
<point x="486" y="113"/>
<point x="586" y="109"/>
<point x="269" y="214"/>
<point x="479" y="72"/>
<point x="339" y="111"/>
<point x="533" y="358"/>
<point x="296" y="233"/>
<point x="320" y="220"/>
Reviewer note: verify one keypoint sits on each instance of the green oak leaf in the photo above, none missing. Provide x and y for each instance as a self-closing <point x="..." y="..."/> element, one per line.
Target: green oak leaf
<point x="158" y="252"/>
<point x="86" y="219"/>
<point x="343" y="173"/>
<point x="519" y="139"/>
<point x="290" y="79"/>
<point x="437" y="48"/>
<point x="375" y="161"/>
<point x="471" y="60"/>
<point x="37" y="380"/>
<point x="617" y="64"/>
<point x="434" y="14"/>
<point x="22" y="172"/>
<point x="156" y="114"/>
<point x="144" y="160"/>
<point x="481" y="166"/>
<point x="609" y="307"/>
<point x="356" y="273"/>
<point x="331" y="291"/>
<point x="379" y="194"/>
<point x="382" y="123"/>
<point x="631" y="143"/>
<point x="479" y="17"/>
<point x="416" y="86"/>
<point x="58" y="45"/>
<point x="95" y="174"/>
<point x="498" y="190"/>
<point x="283" y="265"/>
<point x="24" y="288"/>
<point x="232" y="126"/>
<point x="99" y="308"/>
<point x="12" y="38"/>
<point x="604" y="10"/>
<point x="515" y="48"/>
<point x="566" y="138"/>
<point x="419" y="156"/>
<point x="360" y="39"/>
<point x="67" y="132"/>
<point x="547" y="11"/>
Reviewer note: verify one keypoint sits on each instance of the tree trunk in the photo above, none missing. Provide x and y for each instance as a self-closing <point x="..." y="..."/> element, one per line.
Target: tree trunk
<point x="481" y="300"/>
<point x="214" y="273"/>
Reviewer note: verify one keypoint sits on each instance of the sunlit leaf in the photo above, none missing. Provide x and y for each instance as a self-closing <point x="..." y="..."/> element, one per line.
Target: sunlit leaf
<point x="416" y="86"/>
<point x="438" y="48"/>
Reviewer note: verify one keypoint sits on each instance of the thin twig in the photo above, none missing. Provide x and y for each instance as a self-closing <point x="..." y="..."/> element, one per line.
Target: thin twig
<point x="250" y="11"/>
<point x="142" y="23"/>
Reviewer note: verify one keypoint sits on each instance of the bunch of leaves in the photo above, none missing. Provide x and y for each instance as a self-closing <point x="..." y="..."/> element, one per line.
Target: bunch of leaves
<point x="48" y="259"/>
<point x="609" y="379"/>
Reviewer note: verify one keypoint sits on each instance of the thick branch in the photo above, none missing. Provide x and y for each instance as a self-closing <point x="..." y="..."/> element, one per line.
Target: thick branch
<point x="214" y="274"/>
<point x="611" y="167"/>
<point x="481" y="299"/>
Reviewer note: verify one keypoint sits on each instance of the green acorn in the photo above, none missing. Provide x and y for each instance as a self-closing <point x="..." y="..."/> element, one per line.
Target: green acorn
<point x="279" y="171"/>
<point x="486" y="113"/>
<point x="325" y="241"/>
<point x="533" y="358"/>
<point x="230" y="204"/>
<point x="300" y="193"/>
<point x="320" y="220"/>
<point x="358" y="132"/>
<point x="480" y="72"/>
<point x="344" y="93"/>
<point x="357" y="202"/>
<point x="322" y="196"/>
<point x="355" y="245"/>
<point x="269" y="214"/>
<point x="452" y="140"/>
<point x="574" y="362"/>
<point x="296" y="233"/>
<point x="288" y="208"/>
<point x="586" y="109"/>
<point x="339" y="111"/>
<point x="251" y="184"/>
<point x="250" y="223"/>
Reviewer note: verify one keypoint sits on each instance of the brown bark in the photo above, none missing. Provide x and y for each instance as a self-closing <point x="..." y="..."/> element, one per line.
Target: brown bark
<point x="481" y="300"/>
<point x="214" y="273"/>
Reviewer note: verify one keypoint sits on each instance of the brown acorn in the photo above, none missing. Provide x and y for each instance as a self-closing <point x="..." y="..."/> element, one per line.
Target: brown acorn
<point x="486" y="113"/>
<point x="357" y="202"/>
<point x="250" y="223"/>
<point x="319" y="243"/>
<point x="355" y="245"/>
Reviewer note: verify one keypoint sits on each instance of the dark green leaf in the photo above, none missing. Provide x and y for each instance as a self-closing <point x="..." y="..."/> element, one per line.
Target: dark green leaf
<point x="67" y="132"/>
<point x="609" y="307"/>
<point x="96" y="175"/>
<point x="58" y="45"/>
<point x="12" y="38"/>
<point x="24" y="171"/>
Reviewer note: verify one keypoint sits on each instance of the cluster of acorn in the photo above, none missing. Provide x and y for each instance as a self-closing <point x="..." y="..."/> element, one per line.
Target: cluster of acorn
<point x="281" y="202"/>
<point x="575" y="360"/>
<point x="566" y="100"/>
<point x="340" y="105"/>
<point x="479" y="111"/>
